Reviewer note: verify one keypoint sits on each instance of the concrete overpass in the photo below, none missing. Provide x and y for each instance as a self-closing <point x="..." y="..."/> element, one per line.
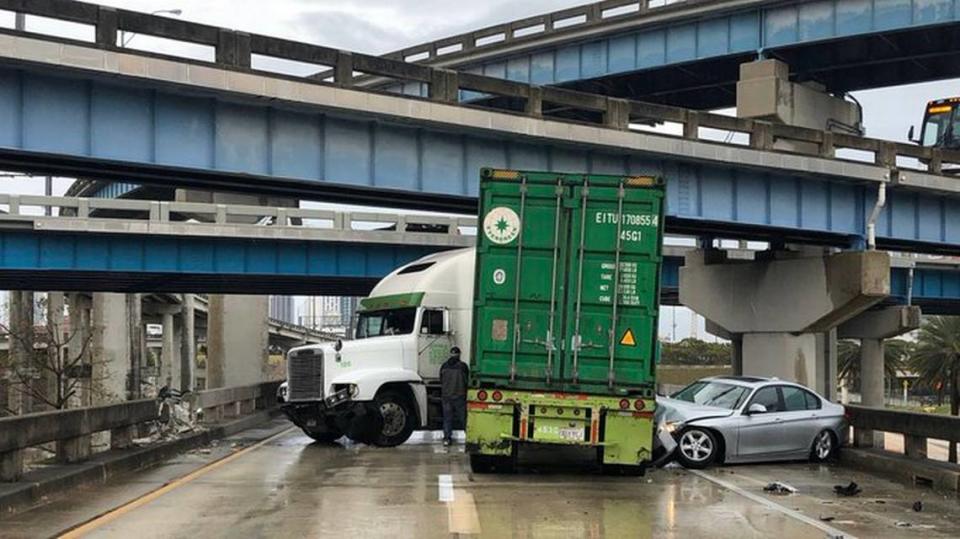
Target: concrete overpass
<point x="689" y="53"/>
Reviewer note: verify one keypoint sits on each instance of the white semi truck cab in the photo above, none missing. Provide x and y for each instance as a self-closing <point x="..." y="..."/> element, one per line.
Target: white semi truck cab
<point x="383" y="384"/>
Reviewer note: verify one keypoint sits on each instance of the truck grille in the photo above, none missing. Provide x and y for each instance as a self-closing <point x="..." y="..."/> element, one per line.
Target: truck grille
<point x="305" y="375"/>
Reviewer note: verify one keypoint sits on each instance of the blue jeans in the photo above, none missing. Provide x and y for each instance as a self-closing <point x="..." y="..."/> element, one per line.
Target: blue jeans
<point x="454" y="415"/>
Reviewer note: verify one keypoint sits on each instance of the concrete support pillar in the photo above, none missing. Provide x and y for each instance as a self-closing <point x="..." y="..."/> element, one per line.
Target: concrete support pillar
<point x="80" y="342"/>
<point x="138" y="343"/>
<point x="167" y="359"/>
<point x="57" y="343"/>
<point x="21" y="308"/>
<point x="111" y="346"/>
<point x="872" y="328"/>
<point x="237" y="338"/>
<point x="871" y="372"/>
<point x="188" y="343"/>
<point x="785" y="307"/>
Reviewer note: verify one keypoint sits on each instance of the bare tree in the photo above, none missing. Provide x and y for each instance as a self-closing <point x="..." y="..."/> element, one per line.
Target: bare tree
<point x="54" y="365"/>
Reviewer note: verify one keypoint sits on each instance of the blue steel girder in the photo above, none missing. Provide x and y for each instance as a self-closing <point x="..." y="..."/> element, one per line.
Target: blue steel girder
<point x="141" y="130"/>
<point x="40" y="260"/>
<point x="770" y="29"/>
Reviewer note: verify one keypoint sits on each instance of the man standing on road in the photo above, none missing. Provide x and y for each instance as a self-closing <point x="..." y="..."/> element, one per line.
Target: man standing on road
<point x="453" y="393"/>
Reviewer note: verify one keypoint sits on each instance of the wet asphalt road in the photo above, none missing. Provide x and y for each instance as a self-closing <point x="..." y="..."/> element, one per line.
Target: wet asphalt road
<point x="292" y="487"/>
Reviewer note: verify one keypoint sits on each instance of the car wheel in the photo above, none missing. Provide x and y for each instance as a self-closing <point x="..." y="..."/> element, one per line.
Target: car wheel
<point x="398" y="419"/>
<point x="697" y="448"/>
<point x="824" y="447"/>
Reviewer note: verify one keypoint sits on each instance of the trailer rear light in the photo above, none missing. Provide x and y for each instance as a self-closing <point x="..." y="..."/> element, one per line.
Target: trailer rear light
<point x="497" y="396"/>
<point x="639" y="405"/>
<point x="482" y="395"/>
<point x="624" y="404"/>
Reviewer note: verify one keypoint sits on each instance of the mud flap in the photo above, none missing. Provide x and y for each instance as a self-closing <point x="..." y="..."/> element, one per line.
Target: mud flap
<point x="628" y="438"/>
<point x="489" y="428"/>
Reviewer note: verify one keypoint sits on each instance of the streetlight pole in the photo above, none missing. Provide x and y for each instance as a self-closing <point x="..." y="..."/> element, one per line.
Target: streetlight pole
<point x="127" y="38"/>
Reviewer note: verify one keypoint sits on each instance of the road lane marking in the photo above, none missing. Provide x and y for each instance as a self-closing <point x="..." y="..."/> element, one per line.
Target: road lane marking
<point x="445" y="487"/>
<point x="462" y="517"/>
<point x="829" y="530"/>
<point x="113" y="514"/>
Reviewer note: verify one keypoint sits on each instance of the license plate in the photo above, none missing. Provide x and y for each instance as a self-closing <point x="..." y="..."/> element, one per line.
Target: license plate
<point x="572" y="434"/>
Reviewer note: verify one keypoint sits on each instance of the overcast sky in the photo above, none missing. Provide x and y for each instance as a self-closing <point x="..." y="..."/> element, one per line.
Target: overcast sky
<point x="380" y="26"/>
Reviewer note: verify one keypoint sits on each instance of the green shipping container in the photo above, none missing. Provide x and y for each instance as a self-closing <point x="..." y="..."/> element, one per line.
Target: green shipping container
<point x="567" y="282"/>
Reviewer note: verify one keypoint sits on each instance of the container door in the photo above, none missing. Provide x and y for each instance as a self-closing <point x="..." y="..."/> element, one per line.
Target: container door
<point x="520" y="282"/>
<point x="614" y="253"/>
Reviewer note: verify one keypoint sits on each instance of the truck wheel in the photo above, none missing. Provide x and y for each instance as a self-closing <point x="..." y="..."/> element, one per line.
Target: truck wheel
<point x="324" y="436"/>
<point x="484" y="464"/>
<point x="398" y="418"/>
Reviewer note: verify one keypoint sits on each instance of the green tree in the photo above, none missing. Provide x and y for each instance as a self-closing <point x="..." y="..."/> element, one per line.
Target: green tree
<point x="695" y="352"/>
<point x="895" y="355"/>
<point x="936" y="360"/>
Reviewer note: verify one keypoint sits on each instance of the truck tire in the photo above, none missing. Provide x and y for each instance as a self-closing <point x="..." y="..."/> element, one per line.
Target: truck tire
<point x="324" y="436"/>
<point x="398" y="418"/>
<point x="484" y="464"/>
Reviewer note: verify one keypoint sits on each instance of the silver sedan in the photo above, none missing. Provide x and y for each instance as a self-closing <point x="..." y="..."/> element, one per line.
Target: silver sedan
<point x="747" y="419"/>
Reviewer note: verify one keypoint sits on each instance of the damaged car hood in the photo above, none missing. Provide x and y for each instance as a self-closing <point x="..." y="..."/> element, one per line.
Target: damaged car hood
<point x="683" y="411"/>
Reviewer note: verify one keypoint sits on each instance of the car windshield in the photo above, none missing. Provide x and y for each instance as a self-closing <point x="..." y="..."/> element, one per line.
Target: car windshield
<point x="389" y="322"/>
<point x="716" y="394"/>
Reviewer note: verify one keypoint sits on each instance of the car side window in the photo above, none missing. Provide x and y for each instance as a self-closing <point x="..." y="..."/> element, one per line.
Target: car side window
<point x="768" y="397"/>
<point x="794" y="399"/>
<point x="813" y="402"/>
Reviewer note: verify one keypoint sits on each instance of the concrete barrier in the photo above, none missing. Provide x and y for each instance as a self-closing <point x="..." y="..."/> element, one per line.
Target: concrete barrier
<point x="71" y="430"/>
<point x="912" y="464"/>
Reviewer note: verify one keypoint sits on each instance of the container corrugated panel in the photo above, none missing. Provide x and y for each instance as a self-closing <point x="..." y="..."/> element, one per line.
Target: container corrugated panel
<point x="553" y="251"/>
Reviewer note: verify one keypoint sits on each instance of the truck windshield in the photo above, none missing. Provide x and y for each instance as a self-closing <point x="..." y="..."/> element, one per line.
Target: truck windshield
<point x="718" y="395"/>
<point x="940" y="128"/>
<point x="390" y="322"/>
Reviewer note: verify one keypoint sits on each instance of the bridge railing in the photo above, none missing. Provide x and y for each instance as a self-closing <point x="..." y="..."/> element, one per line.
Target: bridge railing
<point x="19" y="207"/>
<point x="235" y="51"/>
<point x="916" y="428"/>
<point x="71" y="429"/>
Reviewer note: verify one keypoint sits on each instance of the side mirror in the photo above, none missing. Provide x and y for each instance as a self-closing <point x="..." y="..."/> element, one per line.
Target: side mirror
<point x="339" y="345"/>
<point x="910" y="135"/>
<point x="446" y="321"/>
<point x="756" y="408"/>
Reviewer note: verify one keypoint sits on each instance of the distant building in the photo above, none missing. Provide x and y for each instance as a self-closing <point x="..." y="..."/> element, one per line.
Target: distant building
<point x="348" y="310"/>
<point x="282" y="308"/>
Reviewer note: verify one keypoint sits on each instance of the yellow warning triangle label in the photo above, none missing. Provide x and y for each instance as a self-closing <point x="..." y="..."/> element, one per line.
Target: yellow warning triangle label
<point x="628" y="339"/>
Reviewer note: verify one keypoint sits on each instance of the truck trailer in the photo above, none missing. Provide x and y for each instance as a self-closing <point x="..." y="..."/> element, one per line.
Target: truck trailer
<point x="553" y="358"/>
<point x="566" y="305"/>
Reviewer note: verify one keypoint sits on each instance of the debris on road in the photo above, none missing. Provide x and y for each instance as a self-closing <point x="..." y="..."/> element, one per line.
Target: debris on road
<point x="918" y="506"/>
<point x="778" y="488"/>
<point x="849" y="490"/>
<point x="902" y="524"/>
<point x="827" y="518"/>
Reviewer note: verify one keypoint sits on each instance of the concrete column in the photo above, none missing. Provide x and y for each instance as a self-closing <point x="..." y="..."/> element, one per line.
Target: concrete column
<point x="138" y="343"/>
<point x="110" y="349"/>
<point x="871" y="372"/>
<point x="78" y="309"/>
<point x="785" y="306"/>
<point x="188" y="343"/>
<point x="167" y="360"/>
<point x="21" y="309"/>
<point x="237" y="338"/>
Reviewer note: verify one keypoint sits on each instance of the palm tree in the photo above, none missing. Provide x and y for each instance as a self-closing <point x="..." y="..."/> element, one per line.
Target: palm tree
<point x="936" y="359"/>
<point x="848" y="360"/>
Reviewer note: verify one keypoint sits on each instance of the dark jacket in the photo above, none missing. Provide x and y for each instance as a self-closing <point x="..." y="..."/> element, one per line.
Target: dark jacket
<point x="453" y="378"/>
